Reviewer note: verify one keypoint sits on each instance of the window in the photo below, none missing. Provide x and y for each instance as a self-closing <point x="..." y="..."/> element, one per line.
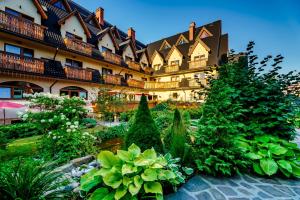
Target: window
<point x="181" y="41"/>
<point x="73" y="36"/>
<point x="175" y="95"/>
<point x="60" y="5"/>
<point x="18" y="14"/>
<point x="128" y="76"/>
<point x="73" y="91"/>
<point x="200" y="57"/>
<point x="175" y="78"/>
<point x="73" y="63"/>
<point x="156" y="67"/>
<point x="19" y="50"/>
<point x="103" y="49"/>
<point x="16" y="89"/>
<point x="107" y="71"/>
<point x="174" y="62"/>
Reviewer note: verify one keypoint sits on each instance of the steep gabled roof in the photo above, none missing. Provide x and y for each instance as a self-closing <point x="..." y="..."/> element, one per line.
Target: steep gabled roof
<point x="40" y="9"/>
<point x="162" y="46"/>
<point x="77" y="14"/>
<point x="65" y="3"/>
<point x="198" y="41"/>
<point x="154" y="54"/>
<point x="171" y="51"/>
<point x="204" y="31"/>
<point x="181" y="37"/>
<point x="127" y="43"/>
<point x="102" y="33"/>
<point x="142" y="52"/>
<point x="92" y="17"/>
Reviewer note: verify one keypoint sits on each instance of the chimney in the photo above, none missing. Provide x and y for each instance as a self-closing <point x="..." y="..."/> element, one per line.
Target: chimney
<point x="131" y="34"/>
<point x="192" y="31"/>
<point x="100" y="15"/>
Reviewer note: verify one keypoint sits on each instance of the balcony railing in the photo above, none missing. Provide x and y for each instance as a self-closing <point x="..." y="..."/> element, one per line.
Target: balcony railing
<point x="198" y="64"/>
<point x="21" y="26"/>
<point x="23" y="64"/>
<point x="78" y="45"/>
<point x="133" y="65"/>
<point x="172" y="68"/>
<point x="135" y="83"/>
<point x="112" y="79"/>
<point x="78" y="73"/>
<point x="148" y="70"/>
<point x="111" y="57"/>
<point x="161" y="85"/>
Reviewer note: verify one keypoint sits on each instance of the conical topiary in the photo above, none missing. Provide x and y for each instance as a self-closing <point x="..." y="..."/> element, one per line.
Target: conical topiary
<point x="143" y="131"/>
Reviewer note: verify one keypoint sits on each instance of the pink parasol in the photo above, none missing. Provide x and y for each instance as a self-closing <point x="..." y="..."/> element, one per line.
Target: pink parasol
<point x="9" y="105"/>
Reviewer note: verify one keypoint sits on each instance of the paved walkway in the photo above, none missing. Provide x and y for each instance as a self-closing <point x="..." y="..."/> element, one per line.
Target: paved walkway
<point x="243" y="187"/>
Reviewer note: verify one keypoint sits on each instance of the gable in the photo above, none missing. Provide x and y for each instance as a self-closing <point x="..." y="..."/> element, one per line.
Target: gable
<point x="62" y="4"/>
<point x="165" y="45"/>
<point x="204" y="33"/>
<point x="175" y="55"/>
<point x="144" y="59"/>
<point x="128" y="52"/>
<point x="199" y="50"/>
<point x="106" y="41"/>
<point x="181" y="40"/>
<point x="157" y="59"/>
<point x="73" y="25"/>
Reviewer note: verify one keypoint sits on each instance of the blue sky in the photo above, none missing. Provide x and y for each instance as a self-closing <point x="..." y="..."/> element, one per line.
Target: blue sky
<point x="274" y="25"/>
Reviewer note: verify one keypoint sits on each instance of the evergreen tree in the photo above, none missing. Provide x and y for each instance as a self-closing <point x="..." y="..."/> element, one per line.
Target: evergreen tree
<point x="143" y="131"/>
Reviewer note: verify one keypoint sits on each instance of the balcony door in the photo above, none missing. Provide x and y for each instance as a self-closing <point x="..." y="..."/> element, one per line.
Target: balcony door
<point x="16" y="89"/>
<point x="21" y="51"/>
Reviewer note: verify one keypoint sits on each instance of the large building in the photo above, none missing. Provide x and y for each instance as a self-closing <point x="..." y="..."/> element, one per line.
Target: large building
<point x="57" y="46"/>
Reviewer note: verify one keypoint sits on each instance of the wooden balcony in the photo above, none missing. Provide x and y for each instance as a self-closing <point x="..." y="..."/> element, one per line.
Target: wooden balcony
<point x="78" y="73"/>
<point x="111" y="57"/>
<point x="172" y="68"/>
<point x="78" y="45"/>
<point x="148" y="70"/>
<point x="161" y="85"/>
<point x="134" y="65"/>
<point x="21" y="26"/>
<point x="198" y="64"/>
<point x="112" y="79"/>
<point x="135" y="83"/>
<point x="23" y="64"/>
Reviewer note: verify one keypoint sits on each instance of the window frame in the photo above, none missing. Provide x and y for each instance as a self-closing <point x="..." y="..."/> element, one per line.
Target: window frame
<point x="21" y="50"/>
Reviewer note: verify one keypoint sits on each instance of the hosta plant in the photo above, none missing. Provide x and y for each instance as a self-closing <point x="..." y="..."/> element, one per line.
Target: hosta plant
<point x="271" y="155"/>
<point x="131" y="174"/>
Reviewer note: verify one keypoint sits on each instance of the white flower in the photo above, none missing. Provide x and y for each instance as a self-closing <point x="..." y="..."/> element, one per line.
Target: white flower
<point x="85" y="133"/>
<point x="25" y="116"/>
<point x="54" y="137"/>
<point x="68" y="130"/>
<point x="74" y="110"/>
<point x="68" y="123"/>
<point x="50" y="133"/>
<point x="72" y="126"/>
<point x="26" y="110"/>
<point x="76" y="123"/>
<point x="50" y="120"/>
<point x="73" y="130"/>
<point x="43" y="121"/>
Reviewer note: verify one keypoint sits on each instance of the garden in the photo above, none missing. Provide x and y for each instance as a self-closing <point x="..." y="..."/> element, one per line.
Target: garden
<point x="247" y="125"/>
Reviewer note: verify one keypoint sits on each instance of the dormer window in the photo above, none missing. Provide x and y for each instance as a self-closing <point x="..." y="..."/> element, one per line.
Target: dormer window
<point x="182" y="41"/>
<point x="60" y="5"/>
<point x="165" y="45"/>
<point x="104" y="49"/>
<point x="156" y="67"/>
<point x="174" y="62"/>
<point x="73" y="36"/>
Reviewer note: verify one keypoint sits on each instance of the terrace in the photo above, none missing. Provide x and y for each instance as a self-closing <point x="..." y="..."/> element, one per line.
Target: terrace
<point x="161" y="85"/>
<point x="171" y="68"/>
<point x="133" y="65"/>
<point x="198" y="64"/>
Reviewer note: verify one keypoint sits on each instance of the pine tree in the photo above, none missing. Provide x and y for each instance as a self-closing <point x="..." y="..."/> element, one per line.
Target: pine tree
<point x="144" y="132"/>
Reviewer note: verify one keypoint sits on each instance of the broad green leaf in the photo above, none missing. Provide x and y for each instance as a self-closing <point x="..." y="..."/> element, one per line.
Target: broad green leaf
<point x="133" y="189"/>
<point x="88" y="184"/>
<point x="153" y="187"/>
<point x="257" y="169"/>
<point x="148" y="157"/>
<point x="88" y="176"/>
<point x="127" y="181"/>
<point x="135" y="150"/>
<point x="296" y="169"/>
<point x="113" y="179"/>
<point x="159" y="197"/>
<point x="253" y="156"/>
<point x="188" y="170"/>
<point x="110" y="196"/>
<point x="263" y="138"/>
<point x="149" y="175"/>
<point x="277" y="149"/>
<point x="138" y="181"/>
<point x="120" y="192"/>
<point x="104" y="171"/>
<point x="107" y="159"/>
<point x="285" y="165"/>
<point x="128" y="169"/>
<point x="100" y="193"/>
<point x="166" y="175"/>
<point x="269" y="166"/>
<point x="125" y="155"/>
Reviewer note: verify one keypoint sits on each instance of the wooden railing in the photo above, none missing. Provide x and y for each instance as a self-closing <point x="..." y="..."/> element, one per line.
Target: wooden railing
<point x="21" y="26"/>
<point x="112" y="79"/>
<point x="111" y="57"/>
<point x="78" y="73"/>
<point x="148" y="70"/>
<point x="172" y="68"/>
<point x="24" y="64"/>
<point x="78" y="45"/>
<point x="198" y="64"/>
<point x="161" y="85"/>
<point x="134" y="65"/>
<point x="135" y="83"/>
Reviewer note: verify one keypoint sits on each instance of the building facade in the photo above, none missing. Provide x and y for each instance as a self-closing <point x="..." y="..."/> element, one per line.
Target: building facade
<point x="57" y="46"/>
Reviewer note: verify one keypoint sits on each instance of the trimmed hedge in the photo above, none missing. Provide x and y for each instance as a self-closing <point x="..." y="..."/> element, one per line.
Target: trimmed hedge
<point x="21" y="130"/>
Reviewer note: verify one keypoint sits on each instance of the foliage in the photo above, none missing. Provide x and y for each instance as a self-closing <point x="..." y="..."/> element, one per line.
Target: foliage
<point x="21" y="130"/>
<point x="297" y="119"/>
<point x="107" y="133"/>
<point x="3" y="140"/>
<point x="271" y="155"/>
<point x="89" y="122"/>
<point x="195" y="113"/>
<point x="143" y="131"/>
<point x="68" y="142"/>
<point x="29" y="179"/>
<point x="164" y="106"/>
<point x="131" y="175"/>
<point x="126" y="116"/>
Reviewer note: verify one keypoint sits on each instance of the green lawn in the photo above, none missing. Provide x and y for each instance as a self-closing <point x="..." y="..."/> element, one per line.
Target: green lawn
<point x="20" y="147"/>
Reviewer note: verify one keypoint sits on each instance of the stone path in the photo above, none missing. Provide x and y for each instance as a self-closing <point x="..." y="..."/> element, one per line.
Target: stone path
<point x="240" y="187"/>
<point x="297" y="140"/>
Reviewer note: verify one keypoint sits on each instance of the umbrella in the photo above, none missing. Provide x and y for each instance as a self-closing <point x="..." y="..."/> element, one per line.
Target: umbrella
<point x="7" y="105"/>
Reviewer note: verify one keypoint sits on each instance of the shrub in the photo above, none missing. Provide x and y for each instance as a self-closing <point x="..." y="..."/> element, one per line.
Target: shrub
<point x="126" y="116"/>
<point x="271" y="155"/>
<point x="164" y="106"/>
<point x="108" y="133"/>
<point x="31" y="180"/>
<point x="3" y="140"/>
<point x="195" y="113"/>
<point x="21" y="130"/>
<point x="143" y="132"/>
<point x="89" y="122"/>
<point x="131" y="175"/>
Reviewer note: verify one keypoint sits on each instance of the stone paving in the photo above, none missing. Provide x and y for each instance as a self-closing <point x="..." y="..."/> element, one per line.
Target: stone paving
<point x="240" y="187"/>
